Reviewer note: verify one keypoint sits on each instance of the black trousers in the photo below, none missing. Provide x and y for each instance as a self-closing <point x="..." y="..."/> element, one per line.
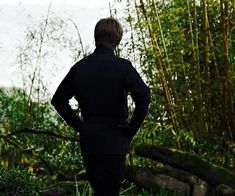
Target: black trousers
<point x="105" y="173"/>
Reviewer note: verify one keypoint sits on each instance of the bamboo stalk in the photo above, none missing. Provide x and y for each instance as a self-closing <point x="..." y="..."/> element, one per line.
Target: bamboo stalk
<point x="191" y="27"/>
<point x="215" y="82"/>
<point x="142" y="33"/>
<point x="224" y="20"/>
<point x="202" y="126"/>
<point x="207" y="84"/>
<point x="196" y="49"/>
<point x="206" y="39"/>
<point x="213" y="56"/>
<point x="233" y="80"/>
<point x="160" y="63"/>
<point x="168" y="70"/>
<point x="233" y="29"/>
<point x="131" y="27"/>
<point x="227" y="90"/>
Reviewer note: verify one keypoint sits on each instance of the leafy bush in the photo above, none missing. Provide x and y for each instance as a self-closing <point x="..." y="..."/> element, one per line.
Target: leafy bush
<point x="17" y="182"/>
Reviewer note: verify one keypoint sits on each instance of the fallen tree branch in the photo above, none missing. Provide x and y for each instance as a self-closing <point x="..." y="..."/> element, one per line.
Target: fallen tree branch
<point x="7" y="138"/>
<point x="39" y="132"/>
<point x="31" y="153"/>
<point x="212" y="174"/>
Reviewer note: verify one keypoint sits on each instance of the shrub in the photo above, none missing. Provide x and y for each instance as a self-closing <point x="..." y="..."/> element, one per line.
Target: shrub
<point x="17" y="182"/>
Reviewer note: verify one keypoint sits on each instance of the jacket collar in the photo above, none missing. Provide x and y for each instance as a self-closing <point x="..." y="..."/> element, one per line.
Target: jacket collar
<point x="103" y="49"/>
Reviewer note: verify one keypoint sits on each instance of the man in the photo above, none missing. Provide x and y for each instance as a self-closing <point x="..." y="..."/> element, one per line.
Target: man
<point x="100" y="82"/>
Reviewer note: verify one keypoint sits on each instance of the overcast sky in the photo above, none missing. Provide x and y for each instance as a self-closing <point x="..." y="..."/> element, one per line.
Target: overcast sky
<point x="17" y="15"/>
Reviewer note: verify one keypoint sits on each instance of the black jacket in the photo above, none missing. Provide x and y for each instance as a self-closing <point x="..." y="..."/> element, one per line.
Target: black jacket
<point x="100" y="83"/>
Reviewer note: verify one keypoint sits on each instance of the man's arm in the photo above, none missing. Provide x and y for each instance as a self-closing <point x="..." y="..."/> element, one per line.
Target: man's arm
<point x="140" y="93"/>
<point x="61" y="98"/>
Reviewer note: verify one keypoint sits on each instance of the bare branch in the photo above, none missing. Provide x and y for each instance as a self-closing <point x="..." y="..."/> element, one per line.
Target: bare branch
<point x="40" y="132"/>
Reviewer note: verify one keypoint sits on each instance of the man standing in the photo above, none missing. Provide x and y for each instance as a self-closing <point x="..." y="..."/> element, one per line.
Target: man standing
<point x="100" y="83"/>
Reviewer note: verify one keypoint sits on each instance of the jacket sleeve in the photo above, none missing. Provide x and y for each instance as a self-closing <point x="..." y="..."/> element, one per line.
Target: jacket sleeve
<point x="61" y="98"/>
<point x="140" y="94"/>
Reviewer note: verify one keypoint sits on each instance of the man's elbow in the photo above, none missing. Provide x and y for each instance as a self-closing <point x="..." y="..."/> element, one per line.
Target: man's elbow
<point x="147" y="96"/>
<point x="144" y="99"/>
<point x="54" y="101"/>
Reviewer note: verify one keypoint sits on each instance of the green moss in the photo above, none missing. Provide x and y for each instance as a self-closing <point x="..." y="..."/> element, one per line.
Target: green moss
<point x="209" y="172"/>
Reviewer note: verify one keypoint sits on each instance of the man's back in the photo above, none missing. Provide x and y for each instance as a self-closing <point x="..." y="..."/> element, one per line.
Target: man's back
<point x="100" y="82"/>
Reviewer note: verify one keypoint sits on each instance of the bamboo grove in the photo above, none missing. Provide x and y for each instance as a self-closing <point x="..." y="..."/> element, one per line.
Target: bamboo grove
<point x="186" y="50"/>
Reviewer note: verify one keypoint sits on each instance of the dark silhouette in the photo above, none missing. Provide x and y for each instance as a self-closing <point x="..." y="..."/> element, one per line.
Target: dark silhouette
<point x="100" y="83"/>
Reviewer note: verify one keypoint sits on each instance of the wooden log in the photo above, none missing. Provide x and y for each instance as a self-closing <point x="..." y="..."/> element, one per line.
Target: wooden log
<point x="212" y="174"/>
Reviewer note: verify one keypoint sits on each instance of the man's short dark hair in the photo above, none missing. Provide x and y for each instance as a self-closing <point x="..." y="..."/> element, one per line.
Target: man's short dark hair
<point x="108" y="32"/>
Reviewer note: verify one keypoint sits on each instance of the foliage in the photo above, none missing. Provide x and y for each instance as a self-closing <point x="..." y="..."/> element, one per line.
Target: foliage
<point x="57" y="156"/>
<point x="143" y="192"/>
<point x="18" y="112"/>
<point x="17" y="182"/>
